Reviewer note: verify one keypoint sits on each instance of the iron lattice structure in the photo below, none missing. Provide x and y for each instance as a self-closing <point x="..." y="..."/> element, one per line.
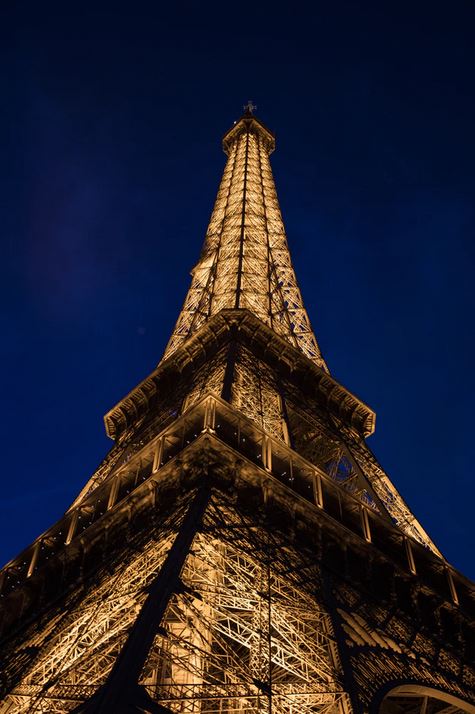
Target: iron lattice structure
<point x="239" y="550"/>
<point x="245" y="261"/>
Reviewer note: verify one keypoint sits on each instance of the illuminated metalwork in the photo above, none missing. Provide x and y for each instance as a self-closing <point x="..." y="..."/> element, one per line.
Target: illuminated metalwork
<point x="245" y="261"/>
<point x="239" y="550"/>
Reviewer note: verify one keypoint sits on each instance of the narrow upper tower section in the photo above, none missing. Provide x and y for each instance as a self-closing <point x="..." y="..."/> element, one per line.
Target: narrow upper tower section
<point x="245" y="261"/>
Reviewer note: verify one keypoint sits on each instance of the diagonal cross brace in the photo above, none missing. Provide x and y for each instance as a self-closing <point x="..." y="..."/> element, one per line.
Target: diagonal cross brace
<point x="121" y="693"/>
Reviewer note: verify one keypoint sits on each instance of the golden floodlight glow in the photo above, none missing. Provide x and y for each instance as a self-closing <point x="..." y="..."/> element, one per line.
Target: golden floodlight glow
<point x="245" y="261"/>
<point x="239" y="550"/>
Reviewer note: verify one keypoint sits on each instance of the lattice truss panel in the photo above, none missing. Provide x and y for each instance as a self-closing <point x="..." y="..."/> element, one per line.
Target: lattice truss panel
<point x="346" y="458"/>
<point x="165" y="409"/>
<point x="256" y="394"/>
<point x="208" y="379"/>
<point x="255" y="390"/>
<point x="248" y="632"/>
<point x="387" y="645"/>
<point x="313" y="440"/>
<point x="245" y="261"/>
<point x="78" y="647"/>
<point x="385" y="491"/>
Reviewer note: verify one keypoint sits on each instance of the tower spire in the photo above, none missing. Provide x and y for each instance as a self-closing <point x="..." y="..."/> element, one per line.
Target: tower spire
<point x="249" y="107"/>
<point x="245" y="261"/>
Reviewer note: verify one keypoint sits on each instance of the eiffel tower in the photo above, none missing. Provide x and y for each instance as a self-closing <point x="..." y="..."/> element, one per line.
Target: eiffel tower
<point x="239" y="549"/>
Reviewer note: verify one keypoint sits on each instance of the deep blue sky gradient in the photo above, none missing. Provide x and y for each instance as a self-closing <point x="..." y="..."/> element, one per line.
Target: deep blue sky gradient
<point x="110" y="130"/>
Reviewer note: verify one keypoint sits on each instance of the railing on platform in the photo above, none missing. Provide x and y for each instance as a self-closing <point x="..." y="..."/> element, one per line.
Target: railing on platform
<point x="213" y="415"/>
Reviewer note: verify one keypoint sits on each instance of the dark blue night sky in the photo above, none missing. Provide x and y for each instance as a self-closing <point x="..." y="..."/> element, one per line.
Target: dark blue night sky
<point x="110" y="129"/>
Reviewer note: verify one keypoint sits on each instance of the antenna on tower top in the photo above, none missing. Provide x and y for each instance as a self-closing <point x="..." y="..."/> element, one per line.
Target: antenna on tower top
<point x="249" y="107"/>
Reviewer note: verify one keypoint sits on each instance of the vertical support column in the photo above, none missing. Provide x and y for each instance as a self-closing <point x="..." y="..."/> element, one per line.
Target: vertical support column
<point x="157" y="455"/>
<point x="452" y="588"/>
<point x="285" y="431"/>
<point x="228" y="379"/>
<point x="410" y="556"/>
<point x="114" y="491"/>
<point x="239" y="288"/>
<point x="210" y="415"/>
<point x="72" y="527"/>
<point x="34" y="559"/>
<point x="365" y="524"/>
<point x="260" y="645"/>
<point x="317" y="489"/>
<point x="267" y="453"/>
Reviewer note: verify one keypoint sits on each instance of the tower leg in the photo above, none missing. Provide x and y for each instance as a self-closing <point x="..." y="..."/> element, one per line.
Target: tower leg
<point x="121" y="693"/>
